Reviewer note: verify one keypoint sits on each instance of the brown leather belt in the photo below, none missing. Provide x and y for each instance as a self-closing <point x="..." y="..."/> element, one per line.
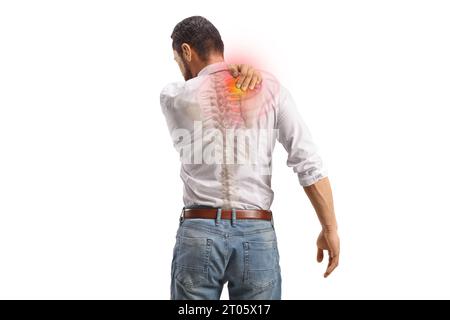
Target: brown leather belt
<point x="211" y="213"/>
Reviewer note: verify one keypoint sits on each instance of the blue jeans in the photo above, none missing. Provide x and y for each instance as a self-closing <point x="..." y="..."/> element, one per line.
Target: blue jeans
<point x="208" y="253"/>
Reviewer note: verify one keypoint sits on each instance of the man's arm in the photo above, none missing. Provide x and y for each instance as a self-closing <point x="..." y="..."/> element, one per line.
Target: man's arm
<point x="303" y="157"/>
<point x="321" y="198"/>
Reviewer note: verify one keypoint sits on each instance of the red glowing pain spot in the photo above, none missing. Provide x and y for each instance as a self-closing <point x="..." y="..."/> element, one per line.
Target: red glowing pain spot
<point x="239" y="93"/>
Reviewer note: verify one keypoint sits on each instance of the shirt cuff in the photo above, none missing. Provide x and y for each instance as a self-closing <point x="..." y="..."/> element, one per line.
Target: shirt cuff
<point x="307" y="180"/>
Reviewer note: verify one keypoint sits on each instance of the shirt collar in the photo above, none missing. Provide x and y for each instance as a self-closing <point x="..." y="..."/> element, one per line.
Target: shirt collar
<point x="212" y="68"/>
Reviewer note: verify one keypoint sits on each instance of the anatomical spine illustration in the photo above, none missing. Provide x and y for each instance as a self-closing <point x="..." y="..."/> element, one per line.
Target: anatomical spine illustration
<point x="225" y="111"/>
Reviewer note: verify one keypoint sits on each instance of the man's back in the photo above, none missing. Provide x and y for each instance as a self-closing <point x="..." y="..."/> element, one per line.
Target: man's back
<point x="226" y="137"/>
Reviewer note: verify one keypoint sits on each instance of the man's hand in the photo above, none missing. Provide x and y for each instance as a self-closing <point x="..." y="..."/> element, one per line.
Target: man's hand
<point x="248" y="77"/>
<point x="328" y="240"/>
<point x="321" y="198"/>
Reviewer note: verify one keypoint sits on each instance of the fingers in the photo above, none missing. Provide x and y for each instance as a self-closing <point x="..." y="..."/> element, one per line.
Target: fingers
<point x="319" y="255"/>
<point x="233" y="68"/>
<point x="258" y="77"/>
<point x="248" y="77"/>
<point x="332" y="264"/>
<point x="254" y="81"/>
<point x="247" y="80"/>
<point x="243" y="71"/>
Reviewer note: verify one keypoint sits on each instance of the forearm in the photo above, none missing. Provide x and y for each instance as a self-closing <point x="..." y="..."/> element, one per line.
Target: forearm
<point x="321" y="198"/>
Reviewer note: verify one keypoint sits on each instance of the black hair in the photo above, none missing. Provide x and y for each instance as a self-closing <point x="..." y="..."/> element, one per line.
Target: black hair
<point x="200" y="34"/>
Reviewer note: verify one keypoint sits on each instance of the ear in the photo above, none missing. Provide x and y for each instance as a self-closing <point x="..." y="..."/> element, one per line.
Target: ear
<point x="187" y="52"/>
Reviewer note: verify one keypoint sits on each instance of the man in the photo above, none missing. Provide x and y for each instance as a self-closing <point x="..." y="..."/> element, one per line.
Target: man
<point x="225" y="135"/>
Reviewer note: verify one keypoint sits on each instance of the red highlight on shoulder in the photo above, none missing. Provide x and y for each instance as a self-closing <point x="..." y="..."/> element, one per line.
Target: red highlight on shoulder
<point x="232" y="89"/>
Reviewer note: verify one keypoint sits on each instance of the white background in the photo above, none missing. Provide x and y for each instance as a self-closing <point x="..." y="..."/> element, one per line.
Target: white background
<point x="89" y="181"/>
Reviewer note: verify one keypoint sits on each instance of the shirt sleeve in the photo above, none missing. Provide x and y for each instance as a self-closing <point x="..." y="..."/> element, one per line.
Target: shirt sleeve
<point x="166" y="97"/>
<point x="295" y="137"/>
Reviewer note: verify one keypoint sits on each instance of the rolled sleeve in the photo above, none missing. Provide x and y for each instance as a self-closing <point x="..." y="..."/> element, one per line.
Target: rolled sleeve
<point x="294" y="135"/>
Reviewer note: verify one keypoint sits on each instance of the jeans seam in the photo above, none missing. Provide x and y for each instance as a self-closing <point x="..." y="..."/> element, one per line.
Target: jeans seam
<point x="246" y="263"/>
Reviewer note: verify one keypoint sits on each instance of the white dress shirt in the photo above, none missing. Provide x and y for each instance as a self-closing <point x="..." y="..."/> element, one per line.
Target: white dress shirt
<point x="225" y="138"/>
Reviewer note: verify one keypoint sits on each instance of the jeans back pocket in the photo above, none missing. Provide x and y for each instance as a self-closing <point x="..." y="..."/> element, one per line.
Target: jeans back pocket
<point x="260" y="263"/>
<point x="192" y="260"/>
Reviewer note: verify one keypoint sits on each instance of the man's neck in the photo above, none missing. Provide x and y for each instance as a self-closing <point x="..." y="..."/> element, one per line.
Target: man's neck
<point x="211" y="60"/>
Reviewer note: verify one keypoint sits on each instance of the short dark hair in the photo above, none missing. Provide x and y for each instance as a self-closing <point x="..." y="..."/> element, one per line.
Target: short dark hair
<point x="200" y="34"/>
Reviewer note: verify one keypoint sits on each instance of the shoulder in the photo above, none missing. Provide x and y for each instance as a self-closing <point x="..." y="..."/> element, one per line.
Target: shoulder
<point x="172" y="89"/>
<point x="169" y="92"/>
<point x="270" y="82"/>
<point x="280" y="95"/>
<point x="275" y="88"/>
